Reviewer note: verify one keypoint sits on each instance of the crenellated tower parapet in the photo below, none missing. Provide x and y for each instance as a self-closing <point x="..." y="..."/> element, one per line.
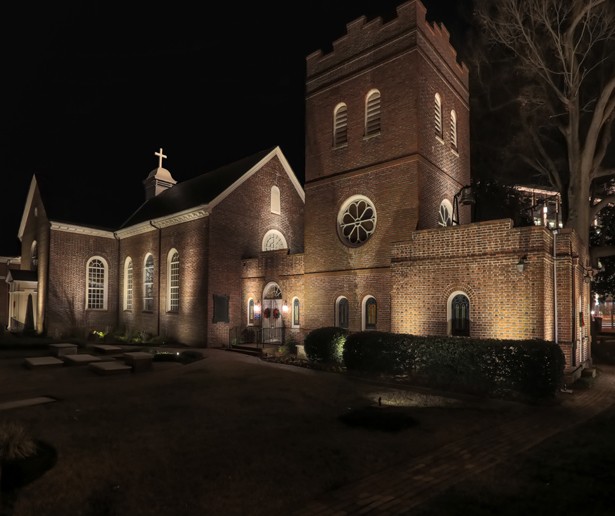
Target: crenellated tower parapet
<point x="368" y="42"/>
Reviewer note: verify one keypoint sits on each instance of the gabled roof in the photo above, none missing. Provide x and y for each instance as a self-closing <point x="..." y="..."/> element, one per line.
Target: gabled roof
<point x="209" y="188"/>
<point x="21" y="275"/>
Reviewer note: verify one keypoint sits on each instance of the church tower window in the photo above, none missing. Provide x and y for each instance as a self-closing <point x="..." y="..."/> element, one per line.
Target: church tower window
<point x="356" y="221"/>
<point x="445" y="216"/>
<point x="340" y="125"/>
<point x="454" y="130"/>
<point x="372" y="113"/>
<point x="438" y="115"/>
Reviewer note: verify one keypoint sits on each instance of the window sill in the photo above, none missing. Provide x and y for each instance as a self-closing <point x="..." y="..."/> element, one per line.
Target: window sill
<point x="439" y="138"/>
<point x="340" y="146"/>
<point x="455" y="151"/>
<point x="370" y="136"/>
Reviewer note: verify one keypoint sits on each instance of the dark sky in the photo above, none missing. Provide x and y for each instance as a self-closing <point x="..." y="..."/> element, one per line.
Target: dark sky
<point x="92" y="89"/>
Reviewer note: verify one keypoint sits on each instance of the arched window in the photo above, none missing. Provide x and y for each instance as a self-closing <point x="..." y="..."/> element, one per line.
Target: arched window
<point x="148" y="284"/>
<point x="96" y="295"/>
<point x="341" y="312"/>
<point x="459" y="314"/>
<point x="296" y="320"/>
<point x="34" y="256"/>
<point x="274" y="240"/>
<point x="340" y="125"/>
<point x="370" y="313"/>
<point x="438" y="115"/>
<point x="128" y="284"/>
<point x="454" y="130"/>
<point x="275" y="200"/>
<point x="250" y="312"/>
<point x="445" y="215"/>
<point x="173" y="281"/>
<point x="372" y="113"/>
<point x="356" y="220"/>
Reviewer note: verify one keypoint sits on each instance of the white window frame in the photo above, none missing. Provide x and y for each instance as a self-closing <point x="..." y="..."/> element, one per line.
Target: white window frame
<point x="128" y="284"/>
<point x="372" y="113"/>
<point x="340" y="125"/>
<point x="438" y="115"/>
<point x="364" y="314"/>
<point x="275" y="200"/>
<point x="148" y="306"/>
<point x="449" y="311"/>
<point x="445" y="207"/>
<point x="346" y="219"/>
<point x="294" y="324"/>
<point x="251" y="304"/>
<point x="453" y="130"/>
<point x="274" y="233"/>
<point x="99" y="291"/>
<point x="173" y="281"/>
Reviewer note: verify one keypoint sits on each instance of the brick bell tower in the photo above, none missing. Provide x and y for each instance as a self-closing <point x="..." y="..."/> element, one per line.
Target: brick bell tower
<point x="387" y="150"/>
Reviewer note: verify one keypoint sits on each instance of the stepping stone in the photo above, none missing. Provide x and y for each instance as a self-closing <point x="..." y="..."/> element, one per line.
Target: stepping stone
<point x="82" y="359"/>
<point x="139" y="360"/>
<point x="110" y="367"/>
<point x="59" y="350"/>
<point x="36" y="362"/>
<point x="106" y="348"/>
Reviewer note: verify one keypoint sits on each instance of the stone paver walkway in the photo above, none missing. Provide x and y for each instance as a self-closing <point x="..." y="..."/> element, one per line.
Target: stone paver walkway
<point x="398" y="490"/>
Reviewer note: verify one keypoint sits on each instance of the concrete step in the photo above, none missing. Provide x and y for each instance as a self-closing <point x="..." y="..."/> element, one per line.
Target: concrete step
<point x="110" y="367"/>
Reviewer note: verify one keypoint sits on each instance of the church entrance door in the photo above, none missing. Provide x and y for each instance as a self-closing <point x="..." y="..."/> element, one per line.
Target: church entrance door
<point x="273" y="324"/>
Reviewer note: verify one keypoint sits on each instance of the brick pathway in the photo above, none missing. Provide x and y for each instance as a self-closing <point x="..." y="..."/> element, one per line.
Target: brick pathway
<point x="397" y="490"/>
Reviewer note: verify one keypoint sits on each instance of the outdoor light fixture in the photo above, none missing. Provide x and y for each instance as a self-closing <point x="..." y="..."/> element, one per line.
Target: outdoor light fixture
<point x="284" y="307"/>
<point x="521" y="263"/>
<point x="257" y="307"/>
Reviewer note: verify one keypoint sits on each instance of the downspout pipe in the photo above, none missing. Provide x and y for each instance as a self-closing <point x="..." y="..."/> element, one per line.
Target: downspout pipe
<point x="159" y="276"/>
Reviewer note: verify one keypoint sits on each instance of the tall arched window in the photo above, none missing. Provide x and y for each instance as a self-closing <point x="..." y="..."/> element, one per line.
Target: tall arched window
<point x="96" y="295"/>
<point x="372" y="113"/>
<point x="275" y="200"/>
<point x="173" y="281"/>
<point x="438" y="115"/>
<point x="454" y="129"/>
<point x="148" y="284"/>
<point x="370" y="313"/>
<point x="274" y="240"/>
<point x="340" y="125"/>
<point x="341" y="312"/>
<point x="459" y="314"/>
<point x="128" y="284"/>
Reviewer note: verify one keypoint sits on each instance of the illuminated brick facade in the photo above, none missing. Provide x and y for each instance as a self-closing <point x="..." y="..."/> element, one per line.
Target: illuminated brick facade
<point x="369" y="241"/>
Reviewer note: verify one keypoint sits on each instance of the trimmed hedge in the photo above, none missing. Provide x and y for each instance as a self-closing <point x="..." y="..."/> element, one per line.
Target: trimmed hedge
<point x="325" y="345"/>
<point x="504" y="368"/>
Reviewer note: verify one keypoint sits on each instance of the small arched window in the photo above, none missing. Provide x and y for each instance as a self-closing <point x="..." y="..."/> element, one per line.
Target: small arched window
<point x="128" y="284"/>
<point x="173" y="281"/>
<point x="296" y="320"/>
<point x="438" y="115"/>
<point x="96" y="295"/>
<point x="445" y="215"/>
<point x="372" y="113"/>
<point x="148" y="284"/>
<point x="340" y="125"/>
<point x="34" y="256"/>
<point x="251" y="312"/>
<point x="459" y="311"/>
<point x="370" y="313"/>
<point x="275" y="200"/>
<point x="274" y="240"/>
<point x="454" y="130"/>
<point x="341" y="312"/>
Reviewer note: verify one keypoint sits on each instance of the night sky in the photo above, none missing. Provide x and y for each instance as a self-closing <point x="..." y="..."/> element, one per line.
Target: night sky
<point x="92" y="90"/>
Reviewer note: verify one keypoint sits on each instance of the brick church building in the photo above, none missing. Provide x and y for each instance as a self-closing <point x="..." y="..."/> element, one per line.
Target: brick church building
<point x="378" y="237"/>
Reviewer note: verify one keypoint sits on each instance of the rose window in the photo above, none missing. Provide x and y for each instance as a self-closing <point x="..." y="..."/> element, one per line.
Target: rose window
<point x="356" y="221"/>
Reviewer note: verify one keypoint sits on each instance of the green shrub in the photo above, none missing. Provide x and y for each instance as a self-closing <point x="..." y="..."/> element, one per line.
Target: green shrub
<point x="326" y="344"/>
